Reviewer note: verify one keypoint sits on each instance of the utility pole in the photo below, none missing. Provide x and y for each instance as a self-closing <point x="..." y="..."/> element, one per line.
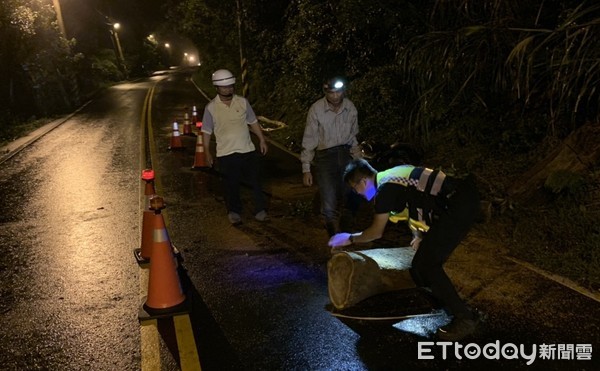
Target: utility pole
<point x="121" y="59"/>
<point x="59" y="18"/>
<point x="68" y="83"/>
<point x="243" y="61"/>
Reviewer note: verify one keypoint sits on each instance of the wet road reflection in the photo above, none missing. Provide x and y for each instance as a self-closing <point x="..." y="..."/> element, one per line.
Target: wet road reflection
<point x="71" y="289"/>
<point x="68" y="282"/>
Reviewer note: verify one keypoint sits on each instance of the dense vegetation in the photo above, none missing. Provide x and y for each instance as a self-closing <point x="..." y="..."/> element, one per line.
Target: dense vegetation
<point x="484" y="86"/>
<point x="44" y="72"/>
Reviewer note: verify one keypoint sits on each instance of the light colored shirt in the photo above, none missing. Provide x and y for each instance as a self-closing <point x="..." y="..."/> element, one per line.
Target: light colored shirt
<point x="230" y="125"/>
<point x="326" y="129"/>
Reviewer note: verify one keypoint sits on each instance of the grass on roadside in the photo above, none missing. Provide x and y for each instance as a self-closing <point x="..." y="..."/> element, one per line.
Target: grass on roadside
<point x="562" y="236"/>
<point x="15" y="129"/>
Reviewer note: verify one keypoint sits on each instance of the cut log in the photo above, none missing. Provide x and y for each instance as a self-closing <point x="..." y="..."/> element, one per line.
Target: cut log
<point x="356" y="275"/>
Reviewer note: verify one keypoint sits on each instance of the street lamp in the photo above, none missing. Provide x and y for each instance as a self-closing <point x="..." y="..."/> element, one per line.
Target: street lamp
<point x="113" y="31"/>
<point x="168" y="48"/>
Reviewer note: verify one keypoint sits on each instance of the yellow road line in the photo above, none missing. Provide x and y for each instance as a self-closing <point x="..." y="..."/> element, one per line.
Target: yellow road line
<point x="150" y="346"/>
<point x="150" y="350"/>
<point x="142" y="164"/>
<point x="157" y="182"/>
<point x="188" y="353"/>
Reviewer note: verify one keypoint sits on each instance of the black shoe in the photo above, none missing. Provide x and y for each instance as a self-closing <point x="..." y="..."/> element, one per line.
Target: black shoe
<point x="426" y="294"/>
<point x="458" y="329"/>
<point x="262" y="216"/>
<point x="332" y="229"/>
<point x="234" y="218"/>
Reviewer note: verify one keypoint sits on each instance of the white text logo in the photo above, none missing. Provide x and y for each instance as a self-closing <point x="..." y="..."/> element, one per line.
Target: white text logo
<point x="496" y="350"/>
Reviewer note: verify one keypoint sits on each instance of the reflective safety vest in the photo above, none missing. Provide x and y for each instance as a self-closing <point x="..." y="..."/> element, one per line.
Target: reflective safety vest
<point x="423" y="185"/>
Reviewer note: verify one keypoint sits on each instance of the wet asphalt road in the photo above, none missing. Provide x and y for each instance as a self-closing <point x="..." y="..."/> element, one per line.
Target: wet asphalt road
<point x="71" y="288"/>
<point x="69" y="216"/>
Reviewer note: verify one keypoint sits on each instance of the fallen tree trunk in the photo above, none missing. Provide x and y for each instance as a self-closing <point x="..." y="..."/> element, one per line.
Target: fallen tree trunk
<point x="357" y="275"/>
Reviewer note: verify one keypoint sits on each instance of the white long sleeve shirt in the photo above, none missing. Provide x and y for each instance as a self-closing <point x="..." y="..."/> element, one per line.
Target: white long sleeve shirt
<point x="326" y="129"/>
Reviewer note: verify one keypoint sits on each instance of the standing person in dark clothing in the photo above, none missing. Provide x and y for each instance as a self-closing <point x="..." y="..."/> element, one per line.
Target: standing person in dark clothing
<point x="231" y="119"/>
<point x="329" y="143"/>
<point x="441" y="210"/>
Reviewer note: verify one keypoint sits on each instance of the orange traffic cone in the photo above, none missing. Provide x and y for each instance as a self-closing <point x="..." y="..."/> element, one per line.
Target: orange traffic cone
<point x="187" y="127"/>
<point x="199" y="159"/>
<point x="149" y="220"/>
<point x="165" y="295"/>
<point x="175" y="138"/>
<point x="142" y="254"/>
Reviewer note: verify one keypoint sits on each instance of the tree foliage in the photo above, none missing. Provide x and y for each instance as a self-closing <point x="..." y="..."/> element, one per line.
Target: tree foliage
<point x="413" y="66"/>
<point x="43" y="73"/>
<point x="33" y="57"/>
<point x="212" y="25"/>
<point x="478" y="81"/>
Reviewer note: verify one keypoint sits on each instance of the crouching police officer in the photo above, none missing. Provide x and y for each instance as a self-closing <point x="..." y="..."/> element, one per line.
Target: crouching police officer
<point x="441" y="210"/>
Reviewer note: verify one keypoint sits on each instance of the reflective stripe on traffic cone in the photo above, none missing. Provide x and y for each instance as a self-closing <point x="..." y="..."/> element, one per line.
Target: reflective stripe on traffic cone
<point x="187" y="126"/>
<point x="165" y="295"/>
<point x="199" y="159"/>
<point x="175" y="138"/>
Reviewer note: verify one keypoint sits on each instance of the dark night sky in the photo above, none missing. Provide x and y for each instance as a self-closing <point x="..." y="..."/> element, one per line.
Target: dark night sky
<point x="85" y="20"/>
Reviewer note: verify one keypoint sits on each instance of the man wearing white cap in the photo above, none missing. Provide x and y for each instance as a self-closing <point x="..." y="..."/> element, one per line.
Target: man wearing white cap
<point x="231" y="118"/>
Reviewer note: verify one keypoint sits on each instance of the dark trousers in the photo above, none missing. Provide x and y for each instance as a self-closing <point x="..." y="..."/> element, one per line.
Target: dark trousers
<point x="444" y="235"/>
<point x="329" y="171"/>
<point x="238" y="167"/>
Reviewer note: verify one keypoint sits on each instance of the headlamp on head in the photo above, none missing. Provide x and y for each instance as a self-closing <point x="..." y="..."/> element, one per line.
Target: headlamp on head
<point x="335" y="84"/>
<point x="338" y="85"/>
